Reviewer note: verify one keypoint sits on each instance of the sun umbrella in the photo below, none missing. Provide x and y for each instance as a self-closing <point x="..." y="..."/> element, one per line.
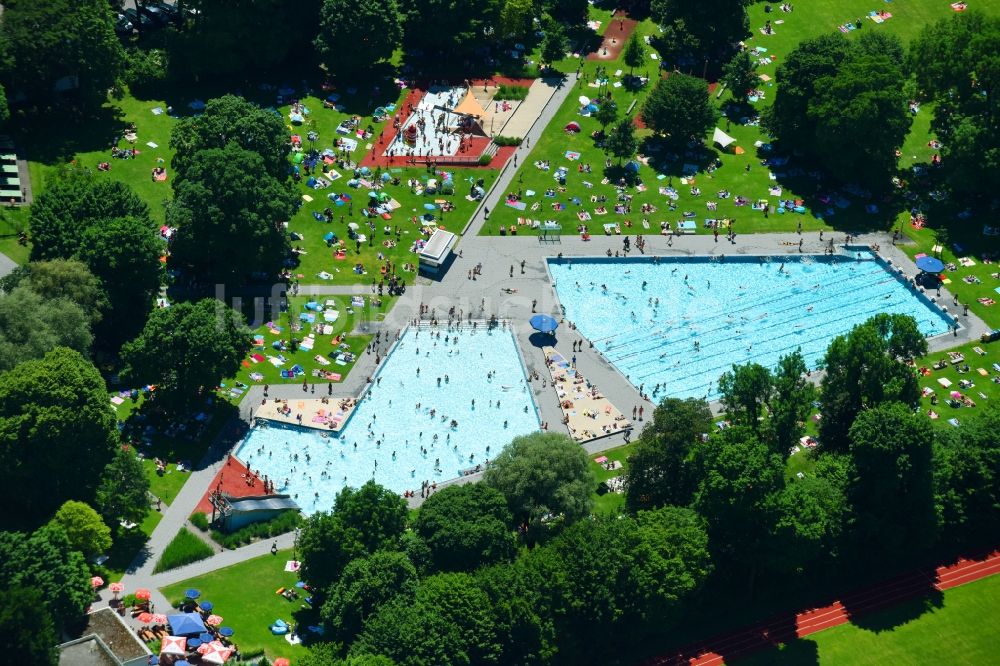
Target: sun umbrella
<point x="226" y="631"/>
<point x="208" y="605"/>
<point x="956" y="395"/>
<point x="352" y="225"/>
<point x="173" y="645"/>
<point x="214" y="620"/>
<point x="543" y="323"/>
<point x="142" y="594"/>
<point x="182" y="662"/>
<point x="158" y="618"/>
<point x="281" y="661"/>
<point x="930" y="264"/>
<point x="117" y="588"/>
<point x="194" y="643"/>
<point x="145" y="618"/>
<point x="584" y="100"/>
<point x="205" y="637"/>
<point x="373" y="195"/>
<point x="429" y="206"/>
<point x="298" y="157"/>
<point x="96" y="581"/>
<point x="196" y="105"/>
<point x="192" y="593"/>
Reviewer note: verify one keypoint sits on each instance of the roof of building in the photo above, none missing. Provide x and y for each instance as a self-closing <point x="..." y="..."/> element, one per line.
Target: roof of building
<point x="437" y="246"/>
<point x="265" y="503"/>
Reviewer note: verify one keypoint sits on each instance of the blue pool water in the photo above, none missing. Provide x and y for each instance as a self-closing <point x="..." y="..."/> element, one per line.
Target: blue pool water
<point x="684" y="333"/>
<point x="387" y="421"/>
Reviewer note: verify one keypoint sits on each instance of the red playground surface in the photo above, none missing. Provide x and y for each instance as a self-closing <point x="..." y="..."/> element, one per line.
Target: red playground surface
<point x="810" y="621"/>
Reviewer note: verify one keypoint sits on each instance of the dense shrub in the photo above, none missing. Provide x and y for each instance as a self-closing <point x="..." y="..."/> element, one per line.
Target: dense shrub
<point x="184" y="549"/>
<point x="485" y="159"/>
<point x="200" y="520"/>
<point x="511" y="92"/>
<point x="286" y="522"/>
<point x="145" y="71"/>
<point x="507" y="140"/>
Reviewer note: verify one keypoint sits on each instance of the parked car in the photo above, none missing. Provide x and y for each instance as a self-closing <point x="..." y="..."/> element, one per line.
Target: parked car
<point x="141" y="21"/>
<point x="171" y="11"/>
<point x="122" y="25"/>
<point x="156" y="14"/>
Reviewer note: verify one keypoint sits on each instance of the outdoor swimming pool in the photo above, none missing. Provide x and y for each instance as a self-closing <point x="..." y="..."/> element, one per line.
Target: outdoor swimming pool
<point x="681" y="323"/>
<point x="401" y="432"/>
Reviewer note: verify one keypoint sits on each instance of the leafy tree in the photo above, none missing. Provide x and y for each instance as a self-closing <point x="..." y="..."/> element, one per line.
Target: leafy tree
<point x="740" y="478"/>
<point x="955" y="64"/>
<point x="712" y="28"/>
<point x="363" y="521"/>
<point x="621" y="142"/>
<point x="373" y="29"/>
<point x="27" y="633"/>
<point x="453" y="27"/>
<point x="811" y="60"/>
<point x="85" y="530"/>
<point x="865" y="368"/>
<point x="607" y="113"/>
<point x="740" y="75"/>
<point x="367" y="584"/>
<point x="634" y="54"/>
<point x="887" y="44"/>
<point x="967" y="478"/>
<point x="4" y="108"/>
<point x="679" y="109"/>
<point x="31" y="326"/>
<point x="124" y="254"/>
<point x="554" y="44"/>
<point x="543" y="475"/>
<point x="791" y="401"/>
<point x="70" y="205"/>
<point x="226" y="39"/>
<point x="466" y="526"/>
<point x="661" y="469"/>
<point x="515" y="18"/>
<point x="44" y="561"/>
<point x="745" y="392"/>
<point x="890" y="490"/>
<point x="186" y="349"/>
<point x="123" y="493"/>
<point x="864" y="98"/>
<point x="810" y="516"/>
<point x="67" y="280"/>
<point x="569" y="12"/>
<point x="56" y="434"/>
<point x="228" y="211"/>
<point x="51" y="42"/>
<point x="522" y="609"/>
<point x="448" y="622"/>
<point x="231" y="119"/>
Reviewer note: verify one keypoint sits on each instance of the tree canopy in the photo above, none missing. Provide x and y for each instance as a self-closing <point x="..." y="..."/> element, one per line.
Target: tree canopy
<point x="61" y="43"/>
<point x="679" y="109"/>
<point x="31" y="326"/>
<point x="622" y="142"/>
<point x="57" y="433"/>
<point x="70" y="205"/>
<point x="955" y="63"/>
<point x="363" y="521"/>
<point x="865" y="368"/>
<point x="455" y="27"/>
<point x="465" y="527"/>
<point x="740" y="75"/>
<point x="231" y="119"/>
<point x="367" y="584"/>
<point x="27" y="633"/>
<point x="228" y="209"/>
<point x="373" y="28"/>
<point x="661" y="468"/>
<point x="45" y="561"/>
<point x="123" y="493"/>
<point x="85" y="530"/>
<point x="187" y="348"/>
<point x="634" y="53"/>
<point x="709" y="29"/>
<point x="543" y="475"/>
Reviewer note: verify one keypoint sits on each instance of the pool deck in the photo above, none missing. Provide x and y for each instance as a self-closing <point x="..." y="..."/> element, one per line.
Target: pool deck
<point x="329" y="416"/>
<point x="588" y="414"/>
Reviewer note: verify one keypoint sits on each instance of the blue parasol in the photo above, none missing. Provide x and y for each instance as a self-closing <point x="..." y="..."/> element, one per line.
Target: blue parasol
<point x="207" y="605"/>
<point x="543" y="323"/>
<point x="930" y="264"/>
<point x="192" y="593"/>
<point x="226" y="631"/>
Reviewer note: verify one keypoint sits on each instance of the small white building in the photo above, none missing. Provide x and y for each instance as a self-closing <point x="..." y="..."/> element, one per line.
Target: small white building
<point x="435" y="253"/>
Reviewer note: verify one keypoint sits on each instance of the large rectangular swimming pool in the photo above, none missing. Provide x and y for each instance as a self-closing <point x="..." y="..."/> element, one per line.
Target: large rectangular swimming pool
<point x="678" y="324"/>
<point x="444" y="401"/>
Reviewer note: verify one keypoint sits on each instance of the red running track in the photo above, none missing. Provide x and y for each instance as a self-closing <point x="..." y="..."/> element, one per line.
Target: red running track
<point x="784" y="629"/>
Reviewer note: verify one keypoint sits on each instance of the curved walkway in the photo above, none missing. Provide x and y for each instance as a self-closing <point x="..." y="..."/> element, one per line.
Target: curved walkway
<point x="785" y="629"/>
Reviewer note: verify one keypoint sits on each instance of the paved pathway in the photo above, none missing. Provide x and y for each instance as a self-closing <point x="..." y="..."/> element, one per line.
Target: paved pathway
<point x="7" y="265"/>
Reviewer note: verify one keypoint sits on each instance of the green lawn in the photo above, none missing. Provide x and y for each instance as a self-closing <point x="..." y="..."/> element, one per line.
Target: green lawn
<point x="244" y="595"/>
<point x="344" y="327"/>
<point x="961" y="631"/>
<point x="805" y="21"/>
<point x="985" y="388"/>
<point x="127" y="544"/>
<point x="609" y="503"/>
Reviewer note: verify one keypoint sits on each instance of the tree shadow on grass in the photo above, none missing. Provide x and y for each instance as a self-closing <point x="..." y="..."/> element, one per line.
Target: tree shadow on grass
<point x="46" y="140"/>
<point x="800" y="652"/>
<point x="894" y="602"/>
